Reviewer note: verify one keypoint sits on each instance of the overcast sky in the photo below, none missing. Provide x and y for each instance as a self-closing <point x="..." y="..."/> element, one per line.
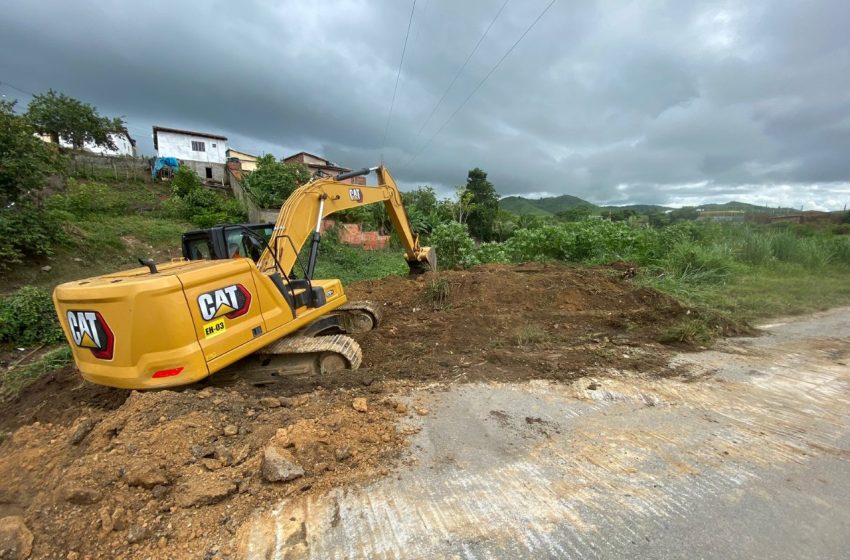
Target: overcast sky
<point x="651" y="101"/>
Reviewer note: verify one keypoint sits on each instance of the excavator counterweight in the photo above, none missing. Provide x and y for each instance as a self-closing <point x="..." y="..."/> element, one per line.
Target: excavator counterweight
<point x="175" y="323"/>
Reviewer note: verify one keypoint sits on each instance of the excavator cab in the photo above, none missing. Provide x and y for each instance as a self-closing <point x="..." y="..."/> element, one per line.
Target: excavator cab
<point x="225" y="241"/>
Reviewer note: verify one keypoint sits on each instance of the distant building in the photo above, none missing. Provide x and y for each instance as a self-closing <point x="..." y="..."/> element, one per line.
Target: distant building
<point x="320" y="167"/>
<point x="203" y="152"/>
<point x="249" y="162"/>
<point x="124" y="145"/>
<point x="737" y="216"/>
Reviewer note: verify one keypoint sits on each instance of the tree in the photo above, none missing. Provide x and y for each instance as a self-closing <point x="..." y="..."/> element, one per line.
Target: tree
<point x="464" y="205"/>
<point x="25" y="161"/>
<point x="486" y="204"/>
<point x="78" y="123"/>
<point x="575" y="214"/>
<point x="273" y="181"/>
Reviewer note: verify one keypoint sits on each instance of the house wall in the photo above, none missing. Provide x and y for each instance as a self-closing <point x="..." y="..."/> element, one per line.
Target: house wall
<point x="172" y="144"/>
<point x="249" y="162"/>
<point x="200" y="167"/>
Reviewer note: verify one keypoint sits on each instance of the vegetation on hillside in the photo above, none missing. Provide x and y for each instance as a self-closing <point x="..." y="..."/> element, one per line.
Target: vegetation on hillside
<point x="63" y="117"/>
<point x="273" y="181"/>
<point x="192" y="202"/>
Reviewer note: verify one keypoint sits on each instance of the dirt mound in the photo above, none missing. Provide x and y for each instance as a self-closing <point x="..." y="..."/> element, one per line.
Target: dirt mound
<point x="178" y="471"/>
<point x="101" y="473"/>
<point x="513" y="323"/>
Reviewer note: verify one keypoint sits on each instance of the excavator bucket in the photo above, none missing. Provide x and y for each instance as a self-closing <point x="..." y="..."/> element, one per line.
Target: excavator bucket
<point x="426" y="261"/>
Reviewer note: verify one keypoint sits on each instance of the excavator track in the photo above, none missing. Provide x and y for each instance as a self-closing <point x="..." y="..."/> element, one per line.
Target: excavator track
<point x="352" y="318"/>
<point x="294" y="356"/>
<point x="318" y="349"/>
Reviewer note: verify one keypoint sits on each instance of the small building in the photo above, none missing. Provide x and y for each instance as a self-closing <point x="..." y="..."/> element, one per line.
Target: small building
<point x="249" y="162"/>
<point x="203" y="152"/>
<point x="321" y="167"/>
<point x="735" y="216"/>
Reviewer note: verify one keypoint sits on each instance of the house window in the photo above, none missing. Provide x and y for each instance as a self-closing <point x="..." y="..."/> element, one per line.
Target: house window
<point x="213" y="145"/>
<point x="209" y="172"/>
<point x="198" y="146"/>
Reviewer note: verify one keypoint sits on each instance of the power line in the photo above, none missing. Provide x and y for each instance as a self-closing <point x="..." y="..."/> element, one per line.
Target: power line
<point x="398" y="75"/>
<point x="460" y="70"/>
<point x="25" y="92"/>
<point x="481" y="83"/>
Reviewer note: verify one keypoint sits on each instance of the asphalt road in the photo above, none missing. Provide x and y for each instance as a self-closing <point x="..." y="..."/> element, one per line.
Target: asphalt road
<point x="746" y="454"/>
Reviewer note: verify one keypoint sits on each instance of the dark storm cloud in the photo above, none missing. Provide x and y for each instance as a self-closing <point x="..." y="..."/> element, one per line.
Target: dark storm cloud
<point x="662" y="102"/>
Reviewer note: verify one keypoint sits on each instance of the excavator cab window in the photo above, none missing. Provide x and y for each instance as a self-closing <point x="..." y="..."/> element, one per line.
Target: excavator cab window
<point x="224" y="242"/>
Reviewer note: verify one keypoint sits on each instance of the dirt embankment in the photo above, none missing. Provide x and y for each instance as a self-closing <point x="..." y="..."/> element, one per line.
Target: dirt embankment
<point x="101" y="473"/>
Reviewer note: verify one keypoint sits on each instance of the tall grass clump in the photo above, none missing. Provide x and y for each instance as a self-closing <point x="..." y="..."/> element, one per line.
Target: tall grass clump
<point x="696" y="263"/>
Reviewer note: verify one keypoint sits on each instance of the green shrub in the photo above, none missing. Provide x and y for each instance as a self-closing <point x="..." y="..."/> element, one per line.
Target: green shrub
<point x="201" y="206"/>
<point x="491" y="253"/>
<point x="28" y="231"/>
<point x="544" y="243"/>
<point x="27" y="316"/>
<point x="273" y="181"/>
<point x="185" y="181"/>
<point x="455" y="248"/>
<point x="85" y="199"/>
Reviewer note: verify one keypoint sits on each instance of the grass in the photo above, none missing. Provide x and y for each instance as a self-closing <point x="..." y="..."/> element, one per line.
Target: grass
<point x="437" y="292"/>
<point x="529" y="334"/>
<point x="18" y="378"/>
<point x="750" y="294"/>
<point x="353" y="264"/>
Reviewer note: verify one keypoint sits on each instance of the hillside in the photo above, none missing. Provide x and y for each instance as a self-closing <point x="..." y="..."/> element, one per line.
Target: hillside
<point x="749" y="208"/>
<point x="548" y="206"/>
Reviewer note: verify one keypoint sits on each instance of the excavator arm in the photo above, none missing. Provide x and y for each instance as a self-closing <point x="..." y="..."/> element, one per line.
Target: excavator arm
<point x="300" y="220"/>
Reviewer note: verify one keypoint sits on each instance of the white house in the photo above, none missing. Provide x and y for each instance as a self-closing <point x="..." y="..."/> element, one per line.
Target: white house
<point x="204" y="152"/>
<point x="124" y="145"/>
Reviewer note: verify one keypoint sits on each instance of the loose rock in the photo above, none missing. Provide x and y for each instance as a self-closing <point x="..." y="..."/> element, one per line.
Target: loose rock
<point x="202" y="491"/>
<point x="81" y="496"/>
<point x="147" y="478"/>
<point x="46" y="268"/>
<point x="342" y="453"/>
<point x="230" y="430"/>
<point x="84" y="426"/>
<point x="279" y="464"/>
<point x="401" y="408"/>
<point x="136" y="534"/>
<point x="359" y="404"/>
<point x="15" y="538"/>
<point x="270" y="402"/>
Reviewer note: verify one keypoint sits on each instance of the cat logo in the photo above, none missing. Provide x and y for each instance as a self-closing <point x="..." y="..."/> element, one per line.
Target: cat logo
<point x="355" y="195"/>
<point x="89" y="330"/>
<point x="231" y="302"/>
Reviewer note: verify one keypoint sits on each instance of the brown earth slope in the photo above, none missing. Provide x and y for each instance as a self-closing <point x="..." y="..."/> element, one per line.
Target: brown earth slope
<point x="102" y="473"/>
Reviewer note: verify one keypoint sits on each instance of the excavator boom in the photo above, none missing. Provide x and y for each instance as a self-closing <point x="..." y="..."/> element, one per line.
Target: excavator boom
<point x="301" y="217"/>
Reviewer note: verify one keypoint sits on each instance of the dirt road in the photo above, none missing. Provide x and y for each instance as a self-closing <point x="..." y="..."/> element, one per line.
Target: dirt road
<point x="746" y="453"/>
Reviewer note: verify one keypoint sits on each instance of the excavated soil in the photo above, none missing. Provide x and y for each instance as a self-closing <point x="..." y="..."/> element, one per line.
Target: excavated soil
<point x="102" y="473"/>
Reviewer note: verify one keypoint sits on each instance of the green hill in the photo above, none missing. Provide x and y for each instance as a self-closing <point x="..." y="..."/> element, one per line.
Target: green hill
<point x="749" y="208"/>
<point x="548" y="206"/>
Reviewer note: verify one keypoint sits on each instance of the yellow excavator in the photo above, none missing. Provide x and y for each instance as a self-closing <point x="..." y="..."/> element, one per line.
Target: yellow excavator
<point x="170" y="324"/>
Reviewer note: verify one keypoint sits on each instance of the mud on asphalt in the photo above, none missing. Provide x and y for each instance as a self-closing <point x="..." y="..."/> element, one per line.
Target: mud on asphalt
<point x="102" y="473"/>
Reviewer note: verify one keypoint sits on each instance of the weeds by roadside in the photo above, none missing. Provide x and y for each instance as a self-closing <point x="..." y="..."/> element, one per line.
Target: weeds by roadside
<point x="17" y="378"/>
